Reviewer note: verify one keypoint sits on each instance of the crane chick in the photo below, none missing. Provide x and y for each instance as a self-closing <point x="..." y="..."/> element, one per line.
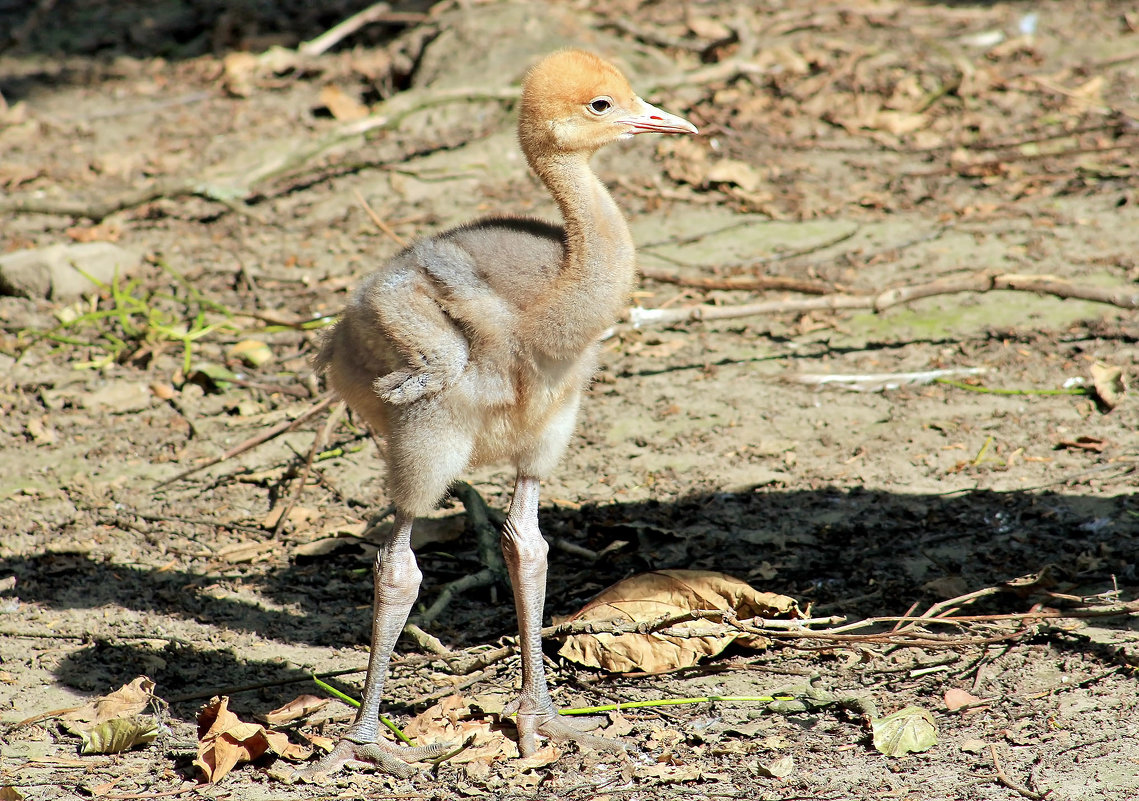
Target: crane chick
<point x="474" y="346"/>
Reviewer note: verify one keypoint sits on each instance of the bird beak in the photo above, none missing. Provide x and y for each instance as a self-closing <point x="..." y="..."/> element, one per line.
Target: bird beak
<point x="650" y="119"/>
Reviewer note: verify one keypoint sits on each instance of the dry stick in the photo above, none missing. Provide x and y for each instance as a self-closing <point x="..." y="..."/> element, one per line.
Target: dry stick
<point x="383" y="226"/>
<point x="254" y="441"/>
<point x="1012" y="282"/>
<point x="377" y="12"/>
<point x="489" y="555"/>
<point x="318" y="442"/>
<point x="1003" y="778"/>
<point x="746" y="283"/>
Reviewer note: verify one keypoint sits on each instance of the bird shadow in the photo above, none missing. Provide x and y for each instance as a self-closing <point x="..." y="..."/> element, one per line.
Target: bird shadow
<point x="853" y="552"/>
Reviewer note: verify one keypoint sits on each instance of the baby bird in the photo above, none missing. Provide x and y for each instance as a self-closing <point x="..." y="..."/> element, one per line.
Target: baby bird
<point x="474" y="346"/>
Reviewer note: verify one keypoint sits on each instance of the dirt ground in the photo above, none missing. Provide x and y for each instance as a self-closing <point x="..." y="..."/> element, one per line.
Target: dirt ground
<point x="846" y="147"/>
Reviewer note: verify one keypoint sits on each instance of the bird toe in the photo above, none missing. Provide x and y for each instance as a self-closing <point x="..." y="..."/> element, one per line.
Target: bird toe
<point x="384" y="756"/>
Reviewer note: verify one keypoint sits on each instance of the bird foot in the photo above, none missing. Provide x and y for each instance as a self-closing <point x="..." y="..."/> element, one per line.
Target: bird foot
<point x="547" y="722"/>
<point x="387" y="757"/>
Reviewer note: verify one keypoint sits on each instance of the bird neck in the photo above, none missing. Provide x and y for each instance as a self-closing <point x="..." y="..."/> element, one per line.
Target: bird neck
<point x="599" y="265"/>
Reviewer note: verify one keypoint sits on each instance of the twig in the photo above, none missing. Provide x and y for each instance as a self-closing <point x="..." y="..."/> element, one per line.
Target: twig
<point x="743" y="283"/>
<point x="1003" y="778"/>
<point x="426" y="641"/>
<point x="487" y="534"/>
<point x="876" y="382"/>
<point x="1039" y="284"/>
<point x="318" y="442"/>
<point x="377" y="12"/>
<point x="665" y="623"/>
<point x="379" y="222"/>
<point x="254" y="441"/>
<point x="483" y="578"/>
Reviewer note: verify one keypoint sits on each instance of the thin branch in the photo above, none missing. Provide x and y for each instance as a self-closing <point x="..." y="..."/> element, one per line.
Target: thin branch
<point x="1003" y="778"/>
<point x="740" y="282"/>
<point x="254" y="441"/>
<point x="1122" y="297"/>
<point x="377" y="12"/>
<point x="379" y="221"/>
<point x="317" y="446"/>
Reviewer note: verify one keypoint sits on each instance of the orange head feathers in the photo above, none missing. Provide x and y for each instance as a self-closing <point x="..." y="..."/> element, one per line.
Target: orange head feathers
<point x="574" y="101"/>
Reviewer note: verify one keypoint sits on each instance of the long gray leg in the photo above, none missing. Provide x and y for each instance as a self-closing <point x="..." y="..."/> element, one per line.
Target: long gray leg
<point x="525" y="554"/>
<point x="397" y="580"/>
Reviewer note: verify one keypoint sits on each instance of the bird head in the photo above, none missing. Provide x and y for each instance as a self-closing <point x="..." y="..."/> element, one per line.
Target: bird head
<point x="576" y="102"/>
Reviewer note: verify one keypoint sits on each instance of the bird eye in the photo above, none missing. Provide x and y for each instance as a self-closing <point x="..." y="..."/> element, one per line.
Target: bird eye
<point x="600" y="105"/>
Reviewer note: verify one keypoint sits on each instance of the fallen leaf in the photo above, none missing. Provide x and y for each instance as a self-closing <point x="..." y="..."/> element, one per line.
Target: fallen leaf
<point x="224" y="740"/>
<point x="104" y="232"/>
<point x="956" y="699"/>
<point x="908" y="730"/>
<point x="9" y="793"/>
<point x="779" y="769"/>
<point x="341" y="105"/>
<point x="648" y="597"/>
<point x="252" y="352"/>
<point x="1110" y="385"/>
<point x="118" y="735"/>
<point x="734" y="171"/>
<point x="163" y="390"/>
<point x="298" y="514"/>
<point x="546" y="755"/>
<point x="245" y="552"/>
<point x="452" y="721"/>
<point x="127" y="701"/>
<point x="973" y="745"/>
<point x="300" y="707"/>
<point x="667" y="774"/>
<point x="40" y="432"/>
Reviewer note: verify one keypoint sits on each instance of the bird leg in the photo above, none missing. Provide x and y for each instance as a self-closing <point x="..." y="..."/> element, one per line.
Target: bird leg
<point x="525" y="551"/>
<point x="397" y="580"/>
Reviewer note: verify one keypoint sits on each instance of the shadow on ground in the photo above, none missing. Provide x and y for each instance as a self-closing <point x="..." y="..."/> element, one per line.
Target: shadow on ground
<point x="848" y="552"/>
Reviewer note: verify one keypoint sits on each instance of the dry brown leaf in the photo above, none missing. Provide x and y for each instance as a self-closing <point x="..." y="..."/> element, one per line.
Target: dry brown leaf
<point x="957" y="699"/>
<point x="451" y="721"/>
<point x="103" y="232"/>
<point x="299" y="707"/>
<point x="546" y="755"/>
<point x="242" y="552"/>
<point x="1110" y="385"/>
<point x="128" y="700"/>
<point x="224" y="740"/>
<point x="734" y="171"/>
<point x="298" y="515"/>
<point x="650" y="596"/>
<point x="341" y="105"/>
<point x="239" y="73"/>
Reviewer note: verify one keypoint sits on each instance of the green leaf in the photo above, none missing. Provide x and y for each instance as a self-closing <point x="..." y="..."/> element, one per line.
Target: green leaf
<point x="908" y="730"/>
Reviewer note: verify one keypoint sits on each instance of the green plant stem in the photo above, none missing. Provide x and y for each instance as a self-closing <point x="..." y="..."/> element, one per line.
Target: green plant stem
<point x="328" y="688"/>
<point x="593" y="710"/>
<point x="992" y="391"/>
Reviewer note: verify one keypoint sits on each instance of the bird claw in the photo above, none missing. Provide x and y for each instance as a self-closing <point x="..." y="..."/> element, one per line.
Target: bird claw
<point x="385" y="756"/>
<point x="548" y="723"/>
